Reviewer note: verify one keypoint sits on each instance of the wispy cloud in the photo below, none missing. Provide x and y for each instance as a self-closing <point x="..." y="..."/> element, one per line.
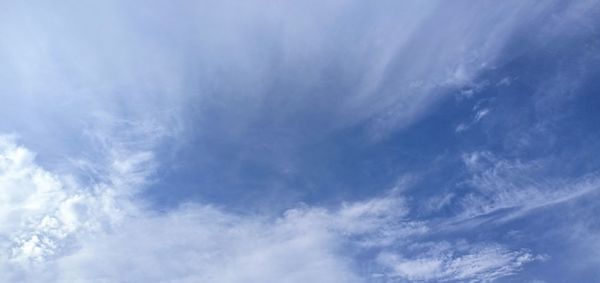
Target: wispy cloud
<point x="443" y="262"/>
<point x="107" y="91"/>
<point x="110" y="61"/>
<point x="517" y="187"/>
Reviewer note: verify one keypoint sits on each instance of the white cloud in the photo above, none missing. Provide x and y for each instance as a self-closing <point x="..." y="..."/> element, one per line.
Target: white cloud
<point x="146" y="64"/>
<point x="201" y="244"/>
<point x="45" y="214"/>
<point x="479" y="114"/>
<point x="55" y="229"/>
<point x="483" y="263"/>
<point x="154" y="63"/>
<point x="517" y="187"/>
<point x="41" y="212"/>
<point x="480" y="110"/>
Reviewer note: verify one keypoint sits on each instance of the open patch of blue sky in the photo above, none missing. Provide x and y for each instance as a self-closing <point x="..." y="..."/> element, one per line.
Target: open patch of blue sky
<point x="314" y="141"/>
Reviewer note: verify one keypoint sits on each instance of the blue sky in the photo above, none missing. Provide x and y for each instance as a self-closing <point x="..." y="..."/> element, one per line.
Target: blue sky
<point x="313" y="141"/>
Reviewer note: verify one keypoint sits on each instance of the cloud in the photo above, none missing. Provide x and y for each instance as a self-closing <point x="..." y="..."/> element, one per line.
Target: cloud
<point x="518" y="187"/>
<point x="105" y="84"/>
<point x="45" y="213"/>
<point x="479" y="114"/>
<point x="482" y="263"/>
<point x="42" y="212"/>
<point x="63" y="232"/>
<point x="203" y="244"/>
<point x="181" y="63"/>
<point x="237" y="87"/>
<point x="53" y="229"/>
<point x="56" y="229"/>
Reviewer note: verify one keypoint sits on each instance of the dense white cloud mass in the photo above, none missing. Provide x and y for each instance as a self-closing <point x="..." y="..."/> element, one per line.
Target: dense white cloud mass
<point x="44" y="214"/>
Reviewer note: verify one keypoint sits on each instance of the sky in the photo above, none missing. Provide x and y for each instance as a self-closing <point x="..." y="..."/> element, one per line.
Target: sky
<point x="300" y="141"/>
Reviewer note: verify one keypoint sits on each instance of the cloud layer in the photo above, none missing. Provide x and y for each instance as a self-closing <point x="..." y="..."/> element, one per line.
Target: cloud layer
<point x="60" y="230"/>
<point x="255" y="142"/>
